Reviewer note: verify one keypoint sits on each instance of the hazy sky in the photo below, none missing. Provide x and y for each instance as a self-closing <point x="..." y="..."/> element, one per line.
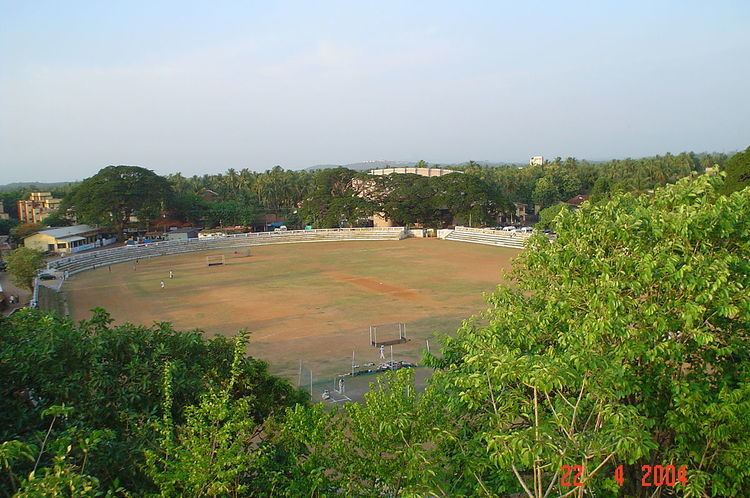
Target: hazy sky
<point x="199" y="87"/>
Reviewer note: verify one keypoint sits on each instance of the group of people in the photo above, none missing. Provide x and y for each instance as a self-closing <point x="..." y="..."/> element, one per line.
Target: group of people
<point x="171" y="276"/>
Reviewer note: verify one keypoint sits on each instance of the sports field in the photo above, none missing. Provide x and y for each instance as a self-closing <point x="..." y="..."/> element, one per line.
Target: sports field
<point x="311" y="302"/>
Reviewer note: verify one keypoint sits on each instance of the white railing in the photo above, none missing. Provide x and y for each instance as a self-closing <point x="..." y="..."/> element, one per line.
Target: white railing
<point x="488" y="236"/>
<point x="81" y="262"/>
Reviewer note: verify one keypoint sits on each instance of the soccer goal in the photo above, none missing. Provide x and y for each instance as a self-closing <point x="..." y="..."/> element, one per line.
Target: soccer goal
<point x="215" y="260"/>
<point x="390" y="334"/>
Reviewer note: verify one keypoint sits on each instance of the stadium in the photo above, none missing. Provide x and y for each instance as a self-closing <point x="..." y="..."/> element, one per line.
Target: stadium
<point x="309" y="306"/>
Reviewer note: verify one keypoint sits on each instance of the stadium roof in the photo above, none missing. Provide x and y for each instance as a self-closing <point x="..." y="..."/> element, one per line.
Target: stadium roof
<point x="61" y="232"/>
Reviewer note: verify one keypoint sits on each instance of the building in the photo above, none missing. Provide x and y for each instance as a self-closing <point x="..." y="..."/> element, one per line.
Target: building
<point x="536" y="161"/>
<point x="3" y="214"/>
<point x="182" y="234"/>
<point x="209" y="195"/>
<point x="37" y="207"/>
<point x="66" y="240"/>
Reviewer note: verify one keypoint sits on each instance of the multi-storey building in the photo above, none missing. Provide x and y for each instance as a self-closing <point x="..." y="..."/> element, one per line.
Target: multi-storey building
<point x="536" y="161"/>
<point x="37" y="207"/>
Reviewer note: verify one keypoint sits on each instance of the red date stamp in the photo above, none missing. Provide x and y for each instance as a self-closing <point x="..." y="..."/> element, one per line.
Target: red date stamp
<point x="652" y="475"/>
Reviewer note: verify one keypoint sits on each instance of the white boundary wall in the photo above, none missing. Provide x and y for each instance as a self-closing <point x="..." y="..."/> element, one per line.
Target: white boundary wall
<point x="486" y="236"/>
<point x="96" y="259"/>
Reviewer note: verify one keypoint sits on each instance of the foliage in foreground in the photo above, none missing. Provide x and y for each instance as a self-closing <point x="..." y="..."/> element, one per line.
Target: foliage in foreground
<point x="625" y="342"/>
<point x="79" y="403"/>
<point x="738" y="172"/>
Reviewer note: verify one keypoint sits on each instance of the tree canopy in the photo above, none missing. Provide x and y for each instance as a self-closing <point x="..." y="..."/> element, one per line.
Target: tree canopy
<point x="23" y="265"/>
<point x="116" y="193"/>
<point x="624" y="342"/>
<point x="96" y="391"/>
<point x="738" y="171"/>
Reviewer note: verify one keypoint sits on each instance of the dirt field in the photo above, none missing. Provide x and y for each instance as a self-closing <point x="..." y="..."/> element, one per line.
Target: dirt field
<point x="309" y="302"/>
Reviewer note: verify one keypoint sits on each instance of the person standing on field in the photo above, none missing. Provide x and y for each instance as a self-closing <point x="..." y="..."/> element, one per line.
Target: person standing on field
<point x="171" y="274"/>
<point x="162" y="284"/>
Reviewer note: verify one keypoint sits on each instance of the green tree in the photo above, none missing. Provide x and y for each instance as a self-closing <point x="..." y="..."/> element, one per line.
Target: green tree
<point x="116" y="193"/>
<point x="213" y="451"/>
<point x="545" y="192"/>
<point x="470" y="198"/>
<point x="548" y="215"/>
<point x="738" y="172"/>
<point x="23" y="265"/>
<point x="624" y="342"/>
<point x="383" y="446"/>
<point x="335" y="197"/>
<point x="231" y="212"/>
<point x="600" y="190"/>
<point x="57" y="219"/>
<point x="408" y="199"/>
<point x="7" y="225"/>
<point x="112" y="377"/>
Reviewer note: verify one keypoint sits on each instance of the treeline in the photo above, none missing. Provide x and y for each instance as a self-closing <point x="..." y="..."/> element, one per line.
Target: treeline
<point x="328" y="197"/>
<point x="622" y="344"/>
<point x="342" y="197"/>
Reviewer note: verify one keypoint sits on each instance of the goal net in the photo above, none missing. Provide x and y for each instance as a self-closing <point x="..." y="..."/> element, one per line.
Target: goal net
<point x="215" y="260"/>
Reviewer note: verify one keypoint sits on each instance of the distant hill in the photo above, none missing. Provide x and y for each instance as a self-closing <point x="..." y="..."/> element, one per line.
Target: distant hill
<point x="39" y="186"/>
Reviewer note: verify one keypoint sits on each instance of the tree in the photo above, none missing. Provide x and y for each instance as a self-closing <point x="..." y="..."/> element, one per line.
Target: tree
<point x="383" y="446"/>
<point x="23" y="265"/>
<point x="7" y="225"/>
<point x="545" y="192"/>
<point x="626" y="341"/>
<point x="408" y="199"/>
<point x="58" y="218"/>
<point x="213" y="451"/>
<point x="470" y="198"/>
<point x="336" y="196"/>
<point x="229" y="213"/>
<point x="738" y="172"/>
<point x="116" y="193"/>
<point x="111" y="377"/>
<point x="600" y="190"/>
<point x="547" y="215"/>
<point x="20" y="232"/>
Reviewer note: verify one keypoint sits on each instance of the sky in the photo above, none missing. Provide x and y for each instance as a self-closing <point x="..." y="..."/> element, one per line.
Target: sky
<point x="200" y="87"/>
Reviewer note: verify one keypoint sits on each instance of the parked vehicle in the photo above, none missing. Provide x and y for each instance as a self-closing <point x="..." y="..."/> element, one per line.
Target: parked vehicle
<point x="525" y="229"/>
<point x="509" y="229"/>
<point x="46" y="276"/>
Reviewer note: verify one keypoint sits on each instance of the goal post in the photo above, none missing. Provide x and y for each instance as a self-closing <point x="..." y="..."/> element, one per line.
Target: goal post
<point x="215" y="260"/>
<point x="390" y="334"/>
